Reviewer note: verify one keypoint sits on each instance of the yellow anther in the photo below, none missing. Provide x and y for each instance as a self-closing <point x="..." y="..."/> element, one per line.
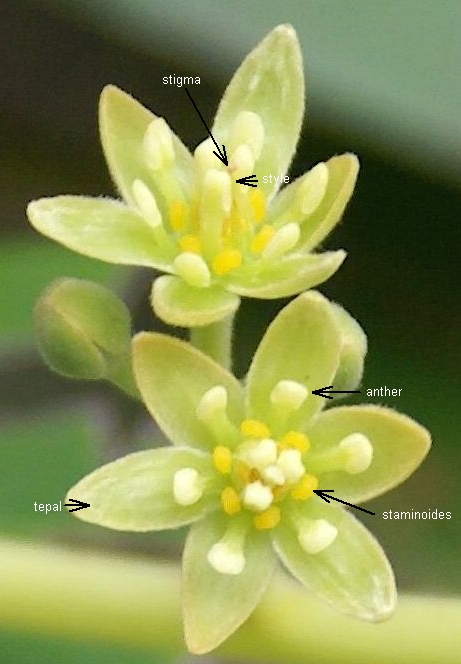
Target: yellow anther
<point x="242" y="472"/>
<point x="254" y="429"/>
<point x="230" y="500"/>
<point x="258" y="205"/>
<point x="305" y="487"/>
<point x="190" y="243"/>
<point x="222" y="459"/>
<point x="226" y="261"/>
<point x="261" y="239"/>
<point x="177" y="215"/>
<point x="267" y="519"/>
<point x="295" y="439"/>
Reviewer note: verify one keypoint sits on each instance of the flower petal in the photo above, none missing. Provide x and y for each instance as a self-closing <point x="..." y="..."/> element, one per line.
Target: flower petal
<point x="302" y="344"/>
<point x="342" y="175"/>
<point x="399" y="446"/>
<point x="287" y="276"/>
<point x="216" y="604"/>
<point x="172" y="377"/>
<point x="98" y="227"/>
<point x="123" y="122"/>
<point x="135" y="493"/>
<point x="269" y="82"/>
<point x="177" y="303"/>
<point x="353" y="573"/>
<point x="353" y="351"/>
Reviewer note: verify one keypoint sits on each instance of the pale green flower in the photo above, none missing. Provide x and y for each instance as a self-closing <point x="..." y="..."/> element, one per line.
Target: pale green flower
<point x="186" y="215"/>
<point x="246" y="461"/>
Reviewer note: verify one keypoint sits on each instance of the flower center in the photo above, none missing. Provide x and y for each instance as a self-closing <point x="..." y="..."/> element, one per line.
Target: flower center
<point x="213" y="225"/>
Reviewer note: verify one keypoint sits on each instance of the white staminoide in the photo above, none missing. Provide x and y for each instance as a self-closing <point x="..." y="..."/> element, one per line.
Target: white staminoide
<point x="261" y="454"/>
<point x="357" y="453"/>
<point x="217" y="194"/>
<point x="291" y="464"/>
<point x="312" y="189"/>
<point x="213" y="402"/>
<point x="285" y="239"/>
<point x="248" y="129"/>
<point x="242" y="162"/>
<point x="273" y="475"/>
<point x="226" y="557"/>
<point x="158" y="145"/>
<point x="193" y="269"/>
<point x="187" y="486"/>
<point x="145" y="200"/>
<point x="256" y="496"/>
<point x="316" y="535"/>
<point x="289" y="395"/>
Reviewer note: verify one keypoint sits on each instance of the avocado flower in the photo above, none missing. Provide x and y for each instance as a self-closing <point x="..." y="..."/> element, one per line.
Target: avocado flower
<point x="185" y="214"/>
<point x="246" y="461"/>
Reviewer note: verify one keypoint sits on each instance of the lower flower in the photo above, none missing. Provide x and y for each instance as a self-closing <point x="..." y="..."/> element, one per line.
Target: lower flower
<point x="247" y="462"/>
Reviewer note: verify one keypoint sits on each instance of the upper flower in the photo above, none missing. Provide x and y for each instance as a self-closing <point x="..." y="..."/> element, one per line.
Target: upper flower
<point x="186" y="214"/>
<point x="247" y="462"/>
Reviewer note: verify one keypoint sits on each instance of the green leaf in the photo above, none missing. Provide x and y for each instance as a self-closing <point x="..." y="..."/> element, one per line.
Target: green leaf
<point x="177" y="303"/>
<point x="172" y="377"/>
<point x="269" y="82"/>
<point x="302" y="344"/>
<point x="353" y="351"/>
<point x="123" y="122"/>
<point x="353" y="573"/>
<point x="215" y="604"/>
<point x="286" y="277"/>
<point x="399" y="446"/>
<point x="342" y="175"/>
<point x="135" y="493"/>
<point x="98" y="227"/>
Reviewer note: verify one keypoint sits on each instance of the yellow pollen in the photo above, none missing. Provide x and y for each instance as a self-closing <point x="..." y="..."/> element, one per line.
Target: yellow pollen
<point x="177" y="213"/>
<point x="258" y="205"/>
<point x="305" y="487"/>
<point x="227" y="260"/>
<point x="295" y="439"/>
<point x="190" y="243"/>
<point x="262" y="237"/>
<point x="230" y="500"/>
<point x="267" y="519"/>
<point x="254" y="429"/>
<point x="222" y="459"/>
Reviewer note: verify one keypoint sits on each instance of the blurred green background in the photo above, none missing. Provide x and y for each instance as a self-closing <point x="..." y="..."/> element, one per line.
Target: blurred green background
<point x="383" y="81"/>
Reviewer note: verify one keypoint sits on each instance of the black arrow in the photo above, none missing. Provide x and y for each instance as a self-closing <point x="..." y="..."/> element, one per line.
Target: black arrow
<point x="328" y="498"/>
<point x="81" y="506"/>
<point x="328" y="389"/>
<point x="248" y="180"/>
<point x="221" y="155"/>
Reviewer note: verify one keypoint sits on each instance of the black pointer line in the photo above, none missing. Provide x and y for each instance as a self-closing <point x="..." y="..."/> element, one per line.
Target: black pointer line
<point x="219" y="154"/>
<point x="327" y="390"/>
<point x="326" y="499"/>
<point x="76" y="504"/>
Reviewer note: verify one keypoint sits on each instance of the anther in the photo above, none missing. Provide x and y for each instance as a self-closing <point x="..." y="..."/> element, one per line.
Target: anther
<point x="187" y="486"/>
<point x="315" y="535"/>
<point x="290" y="463"/>
<point x="357" y="453"/>
<point x="248" y="129"/>
<point x="193" y="269"/>
<point x="204" y="155"/>
<point x="261" y="454"/>
<point x="285" y="239"/>
<point x="313" y="188"/>
<point x="212" y="411"/>
<point x="158" y="145"/>
<point x="146" y="203"/>
<point x="288" y="395"/>
<point x="227" y="555"/>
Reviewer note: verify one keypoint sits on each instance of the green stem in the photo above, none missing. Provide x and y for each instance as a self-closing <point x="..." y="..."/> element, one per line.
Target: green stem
<point x="136" y="602"/>
<point x="215" y="340"/>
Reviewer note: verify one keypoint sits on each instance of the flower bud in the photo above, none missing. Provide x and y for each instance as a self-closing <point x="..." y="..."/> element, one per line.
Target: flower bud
<point x="82" y="330"/>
